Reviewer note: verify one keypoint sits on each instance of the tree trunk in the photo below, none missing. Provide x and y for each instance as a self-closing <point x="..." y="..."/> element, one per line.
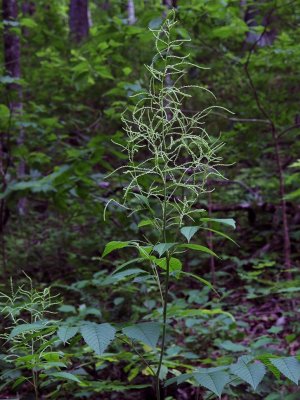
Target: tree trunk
<point x="131" y="12"/>
<point x="285" y="223"/>
<point x="170" y="3"/>
<point x="12" y="55"/>
<point x="11" y="40"/>
<point x="28" y="8"/>
<point x="79" y="20"/>
<point x="105" y="5"/>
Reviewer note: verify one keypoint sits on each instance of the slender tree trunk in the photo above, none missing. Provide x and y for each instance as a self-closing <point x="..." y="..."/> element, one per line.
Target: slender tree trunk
<point x="28" y="8"/>
<point x="131" y="12"/>
<point x="12" y="56"/>
<point x="79" y="20"/>
<point x="105" y="5"/>
<point x="285" y="224"/>
<point x="275" y="140"/>
<point x="170" y="3"/>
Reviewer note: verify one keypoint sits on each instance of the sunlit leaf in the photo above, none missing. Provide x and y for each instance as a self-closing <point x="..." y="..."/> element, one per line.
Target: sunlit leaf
<point x="174" y="263"/>
<point x="114" y="245"/>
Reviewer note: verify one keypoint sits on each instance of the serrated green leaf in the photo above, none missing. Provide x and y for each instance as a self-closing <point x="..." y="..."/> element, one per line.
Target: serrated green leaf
<point x="189" y="231"/>
<point x="248" y="371"/>
<point x="162" y="248"/>
<point x="226" y="221"/>
<point x="266" y="360"/>
<point x="98" y="336"/>
<point x="27" y="328"/>
<point x="4" y="112"/>
<point x="178" y="379"/>
<point x="65" y="375"/>
<point x="18" y="382"/>
<point x="114" y="245"/>
<point x="174" y="263"/>
<point x="146" y="332"/>
<point x="289" y="367"/>
<point x="230" y="346"/>
<point x="145" y="252"/>
<point x="67" y="308"/>
<point x="145" y="222"/>
<point x="192" y="312"/>
<point x="214" y="381"/>
<point x="199" y="247"/>
<point x="28" y="23"/>
<point x="221" y="234"/>
<point x="123" y="274"/>
<point x="67" y="332"/>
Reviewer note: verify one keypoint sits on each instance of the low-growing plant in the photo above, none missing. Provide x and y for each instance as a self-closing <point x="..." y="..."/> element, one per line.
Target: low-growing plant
<point x="30" y="336"/>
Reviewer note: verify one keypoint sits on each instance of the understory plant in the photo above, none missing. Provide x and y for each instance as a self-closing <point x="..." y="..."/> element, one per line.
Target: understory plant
<point x="29" y="337"/>
<point x="171" y="157"/>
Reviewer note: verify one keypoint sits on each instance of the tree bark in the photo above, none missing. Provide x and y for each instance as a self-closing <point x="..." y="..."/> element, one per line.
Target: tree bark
<point x="79" y="20"/>
<point x="12" y="56"/>
<point x="131" y="12"/>
<point x="275" y="139"/>
<point x="11" y="40"/>
<point x="28" y="8"/>
<point x="170" y="3"/>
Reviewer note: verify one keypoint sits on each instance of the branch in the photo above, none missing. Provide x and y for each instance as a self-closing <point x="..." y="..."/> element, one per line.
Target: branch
<point x="290" y="128"/>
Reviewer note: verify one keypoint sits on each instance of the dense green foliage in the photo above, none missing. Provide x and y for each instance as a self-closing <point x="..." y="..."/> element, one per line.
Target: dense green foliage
<point x="100" y="333"/>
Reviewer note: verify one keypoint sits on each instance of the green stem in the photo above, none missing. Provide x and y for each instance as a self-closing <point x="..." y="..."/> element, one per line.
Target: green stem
<point x="165" y="309"/>
<point x="139" y="354"/>
<point x="35" y="384"/>
<point x="166" y="292"/>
